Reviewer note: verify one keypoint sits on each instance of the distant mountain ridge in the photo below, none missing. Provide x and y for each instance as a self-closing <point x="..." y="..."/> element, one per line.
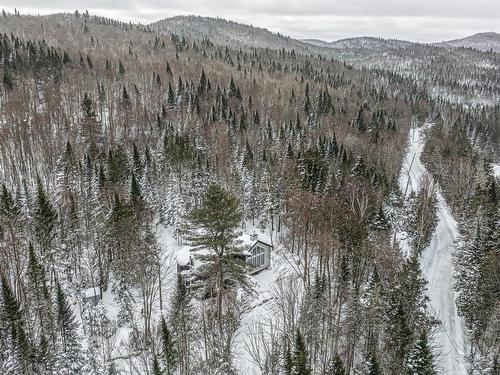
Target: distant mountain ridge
<point x="225" y="32"/>
<point x="233" y="34"/>
<point x="368" y="42"/>
<point x="480" y="41"/>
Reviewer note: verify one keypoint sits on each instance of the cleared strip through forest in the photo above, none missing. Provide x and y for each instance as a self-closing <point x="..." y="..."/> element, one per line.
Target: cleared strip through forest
<point x="437" y="266"/>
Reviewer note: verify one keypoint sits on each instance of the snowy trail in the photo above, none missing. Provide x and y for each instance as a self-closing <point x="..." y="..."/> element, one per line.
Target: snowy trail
<point x="437" y="267"/>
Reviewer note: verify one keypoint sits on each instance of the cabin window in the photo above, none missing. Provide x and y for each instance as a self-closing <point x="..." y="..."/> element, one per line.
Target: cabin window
<point x="258" y="256"/>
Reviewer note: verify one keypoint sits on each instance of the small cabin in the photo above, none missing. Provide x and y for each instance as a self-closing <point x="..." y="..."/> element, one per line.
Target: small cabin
<point x="258" y="256"/>
<point x="92" y="295"/>
<point x="256" y="252"/>
<point x="185" y="261"/>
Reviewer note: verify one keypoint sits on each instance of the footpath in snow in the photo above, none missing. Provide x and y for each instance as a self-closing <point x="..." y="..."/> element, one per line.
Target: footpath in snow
<point x="437" y="266"/>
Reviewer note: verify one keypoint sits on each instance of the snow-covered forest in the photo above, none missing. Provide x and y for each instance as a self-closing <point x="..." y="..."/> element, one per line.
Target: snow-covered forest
<point x="138" y="166"/>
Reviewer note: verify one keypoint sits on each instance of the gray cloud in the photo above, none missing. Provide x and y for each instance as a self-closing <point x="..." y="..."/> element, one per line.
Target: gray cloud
<point x="423" y="20"/>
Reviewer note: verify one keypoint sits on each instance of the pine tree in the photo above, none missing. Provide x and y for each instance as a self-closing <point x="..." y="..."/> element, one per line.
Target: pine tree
<point x="12" y="332"/>
<point x="300" y="357"/>
<point x="169" y="352"/>
<point x="372" y="366"/>
<point x="307" y="101"/>
<point x="156" y="366"/>
<point x="421" y="359"/>
<point x="138" y="166"/>
<point x="214" y="226"/>
<point x="45" y="223"/>
<point x="90" y="127"/>
<point x="121" y="68"/>
<point x="232" y="90"/>
<point x="336" y="366"/>
<point x="8" y="81"/>
<point x="400" y="336"/>
<point x="203" y="84"/>
<point x="41" y="302"/>
<point x="182" y="319"/>
<point x="287" y="361"/>
<point x="360" y="121"/>
<point x="422" y="215"/>
<point x="70" y="356"/>
<point x="170" y="97"/>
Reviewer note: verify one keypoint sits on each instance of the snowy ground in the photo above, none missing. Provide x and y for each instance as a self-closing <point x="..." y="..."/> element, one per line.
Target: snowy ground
<point x="258" y="308"/>
<point x="437" y="266"/>
<point x="496" y="170"/>
<point x="260" y="315"/>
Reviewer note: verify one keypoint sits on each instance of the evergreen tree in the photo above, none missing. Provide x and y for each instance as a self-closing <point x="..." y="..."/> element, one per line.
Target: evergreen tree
<point x="41" y="302"/>
<point x="336" y="366"/>
<point x="360" y="121"/>
<point x="422" y="216"/>
<point x="307" y="101"/>
<point x="70" y="356"/>
<point x="287" y="361"/>
<point x="156" y="366"/>
<point x="214" y="227"/>
<point x="421" y="359"/>
<point x="170" y="97"/>
<point x="372" y="366"/>
<point x="90" y="128"/>
<point x="8" y="81"/>
<point x="45" y="223"/>
<point x="300" y="357"/>
<point x="182" y="319"/>
<point x="121" y="68"/>
<point x="12" y="333"/>
<point x="203" y="84"/>
<point x="169" y="352"/>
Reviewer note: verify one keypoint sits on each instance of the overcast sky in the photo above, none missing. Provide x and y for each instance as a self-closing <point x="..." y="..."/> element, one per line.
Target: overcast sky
<point x="415" y="20"/>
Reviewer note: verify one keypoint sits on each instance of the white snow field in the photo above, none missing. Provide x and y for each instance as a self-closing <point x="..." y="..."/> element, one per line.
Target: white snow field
<point x="437" y="267"/>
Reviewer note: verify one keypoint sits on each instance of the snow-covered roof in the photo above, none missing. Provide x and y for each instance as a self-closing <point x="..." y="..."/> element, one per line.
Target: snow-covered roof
<point x="183" y="257"/>
<point x="249" y="239"/>
<point x="92" y="292"/>
<point x="496" y="170"/>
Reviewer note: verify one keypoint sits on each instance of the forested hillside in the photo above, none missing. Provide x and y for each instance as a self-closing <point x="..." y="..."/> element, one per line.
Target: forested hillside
<point x="120" y="145"/>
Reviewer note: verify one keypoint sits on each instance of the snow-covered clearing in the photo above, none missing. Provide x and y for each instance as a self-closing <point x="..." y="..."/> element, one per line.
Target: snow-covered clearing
<point x="437" y="266"/>
<point x="257" y="309"/>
